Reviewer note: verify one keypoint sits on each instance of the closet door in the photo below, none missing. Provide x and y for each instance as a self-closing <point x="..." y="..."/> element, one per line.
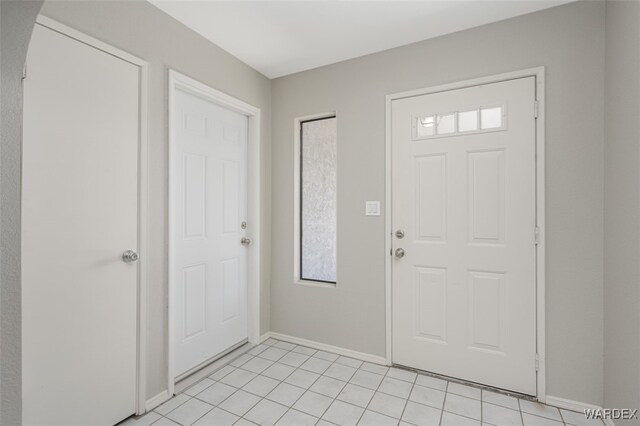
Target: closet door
<point x="80" y="214"/>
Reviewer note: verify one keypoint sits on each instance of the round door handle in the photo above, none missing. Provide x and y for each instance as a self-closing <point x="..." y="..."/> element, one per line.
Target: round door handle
<point x="245" y="241"/>
<point x="130" y="256"/>
<point x="399" y="253"/>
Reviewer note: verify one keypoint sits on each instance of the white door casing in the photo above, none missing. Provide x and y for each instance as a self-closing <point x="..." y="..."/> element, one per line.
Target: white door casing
<point x="83" y="133"/>
<point x="464" y="295"/>
<point x="209" y="263"/>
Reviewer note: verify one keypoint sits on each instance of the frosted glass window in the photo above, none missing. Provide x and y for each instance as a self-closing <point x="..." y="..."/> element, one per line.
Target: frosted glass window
<point x="468" y="121"/>
<point x="446" y="124"/>
<point x="425" y="126"/>
<point x="318" y="160"/>
<point x="491" y="118"/>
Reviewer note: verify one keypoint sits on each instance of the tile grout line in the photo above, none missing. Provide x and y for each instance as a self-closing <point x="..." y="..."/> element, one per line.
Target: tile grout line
<point x="281" y="382"/>
<point x="521" y="415"/>
<point x="208" y="411"/>
<point x="375" y="390"/>
<point x="322" y="374"/>
<point x="481" y="407"/>
<point x="374" y="395"/>
<point x="236" y="389"/>
<point x="309" y="389"/>
<point x="336" y="397"/>
<point x="413" y="385"/>
<point x="333" y="399"/>
<point x="189" y="397"/>
<point x="544" y="417"/>
<point x="301" y="369"/>
<point x="305" y="390"/>
<point x="258" y="375"/>
<point x="459" y="414"/>
<point x="444" y="401"/>
<point x="295" y="369"/>
<point x="170" y="411"/>
<point x="346" y="383"/>
<point x="338" y="394"/>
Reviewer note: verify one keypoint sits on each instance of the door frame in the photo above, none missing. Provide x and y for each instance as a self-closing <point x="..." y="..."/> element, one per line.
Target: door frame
<point x="538" y="73"/>
<point x="178" y="81"/>
<point x="141" y="314"/>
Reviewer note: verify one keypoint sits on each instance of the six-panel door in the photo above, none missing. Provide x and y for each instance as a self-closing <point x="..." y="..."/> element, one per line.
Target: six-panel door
<point x="209" y="261"/>
<point x="463" y="192"/>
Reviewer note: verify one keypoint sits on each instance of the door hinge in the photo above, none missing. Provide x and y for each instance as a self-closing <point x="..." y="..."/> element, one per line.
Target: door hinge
<point x="24" y="71"/>
<point x="537" y="362"/>
<point x="535" y="109"/>
<point x="536" y="235"/>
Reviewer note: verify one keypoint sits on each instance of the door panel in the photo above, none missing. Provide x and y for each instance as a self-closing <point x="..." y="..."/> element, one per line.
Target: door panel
<point x="209" y="263"/>
<point x="79" y="214"/>
<point x="463" y="191"/>
<point x="431" y="194"/>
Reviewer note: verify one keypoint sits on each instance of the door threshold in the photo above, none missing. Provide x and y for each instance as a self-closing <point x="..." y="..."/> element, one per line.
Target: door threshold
<point x="208" y="367"/>
<point x="468" y="383"/>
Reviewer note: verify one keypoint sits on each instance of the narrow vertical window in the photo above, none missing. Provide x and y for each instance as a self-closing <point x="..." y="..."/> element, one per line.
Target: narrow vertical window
<point x="318" y="197"/>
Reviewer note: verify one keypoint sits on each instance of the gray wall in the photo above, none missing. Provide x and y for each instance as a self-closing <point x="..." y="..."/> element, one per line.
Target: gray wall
<point x="569" y="42"/>
<point x="16" y="23"/>
<point x="622" y="207"/>
<point x="143" y="30"/>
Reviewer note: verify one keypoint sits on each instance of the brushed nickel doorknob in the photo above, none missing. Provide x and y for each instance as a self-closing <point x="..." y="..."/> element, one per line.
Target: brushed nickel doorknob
<point x="130" y="256"/>
<point x="399" y="253"/>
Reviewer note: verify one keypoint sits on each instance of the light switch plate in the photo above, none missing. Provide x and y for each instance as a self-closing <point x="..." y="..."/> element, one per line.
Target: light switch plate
<point x="372" y="208"/>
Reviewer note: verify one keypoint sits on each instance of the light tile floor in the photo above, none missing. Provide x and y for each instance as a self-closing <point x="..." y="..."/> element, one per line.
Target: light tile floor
<point x="278" y="383"/>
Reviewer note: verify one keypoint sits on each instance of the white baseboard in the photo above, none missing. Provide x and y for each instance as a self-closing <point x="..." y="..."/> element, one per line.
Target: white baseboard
<point x="264" y="337"/>
<point x="568" y="404"/>
<point x="324" y="347"/>
<point x="578" y="406"/>
<point x="157" y="400"/>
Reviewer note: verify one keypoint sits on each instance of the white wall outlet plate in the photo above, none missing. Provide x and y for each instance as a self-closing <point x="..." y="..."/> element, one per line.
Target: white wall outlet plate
<point x="372" y="208"/>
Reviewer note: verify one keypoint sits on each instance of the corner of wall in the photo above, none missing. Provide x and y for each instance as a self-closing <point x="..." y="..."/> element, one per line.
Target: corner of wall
<point x="16" y="24"/>
<point x="622" y="207"/>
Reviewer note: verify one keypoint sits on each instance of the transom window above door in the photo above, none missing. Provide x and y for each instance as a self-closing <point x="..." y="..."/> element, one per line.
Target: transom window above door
<point x="316" y="200"/>
<point x="473" y="120"/>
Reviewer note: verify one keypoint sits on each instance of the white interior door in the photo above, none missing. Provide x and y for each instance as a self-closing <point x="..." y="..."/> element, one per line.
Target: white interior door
<point x="79" y="214"/>
<point x="209" y="209"/>
<point x="463" y="193"/>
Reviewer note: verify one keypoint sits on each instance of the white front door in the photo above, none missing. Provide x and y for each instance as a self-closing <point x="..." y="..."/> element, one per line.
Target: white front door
<point x="464" y="195"/>
<point x="209" y="207"/>
<point x="79" y="214"/>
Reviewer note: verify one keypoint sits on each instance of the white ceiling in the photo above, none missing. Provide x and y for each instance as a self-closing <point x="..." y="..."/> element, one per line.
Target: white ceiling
<point x="283" y="37"/>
